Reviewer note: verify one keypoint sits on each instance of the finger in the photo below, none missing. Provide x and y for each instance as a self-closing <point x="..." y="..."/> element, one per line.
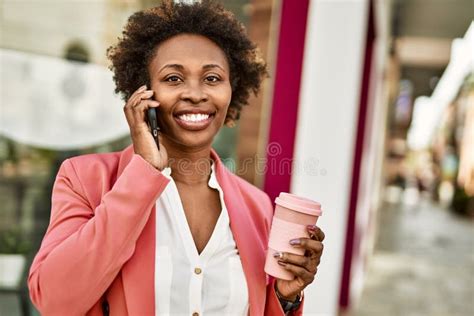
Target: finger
<point x="136" y="115"/>
<point x="146" y="94"/>
<point x="141" y="107"/>
<point x="132" y="98"/>
<point x="139" y="90"/>
<point x="320" y="234"/>
<point x="308" y="244"/>
<point x="299" y="272"/>
<point x="135" y="101"/>
<point x="316" y="232"/>
<point x="302" y="261"/>
<point x="312" y="234"/>
<point x="137" y="96"/>
<point x="315" y="255"/>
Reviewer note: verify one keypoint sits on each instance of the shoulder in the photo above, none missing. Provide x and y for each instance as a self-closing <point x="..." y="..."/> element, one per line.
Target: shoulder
<point x="90" y="175"/>
<point x="90" y="164"/>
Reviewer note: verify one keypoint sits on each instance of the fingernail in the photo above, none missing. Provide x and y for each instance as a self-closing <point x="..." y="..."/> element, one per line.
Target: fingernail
<point x="278" y="255"/>
<point x="281" y="263"/>
<point x="311" y="227"/>
<point x="295" y="242"/>
<point x="142" y="87"/>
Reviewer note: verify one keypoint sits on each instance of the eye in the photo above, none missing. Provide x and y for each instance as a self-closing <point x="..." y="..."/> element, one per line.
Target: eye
<point x="212" y="78"/>
<point x="173" y="78"/>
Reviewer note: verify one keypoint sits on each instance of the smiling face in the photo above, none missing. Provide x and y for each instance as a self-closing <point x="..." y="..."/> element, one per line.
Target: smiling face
<point x="190" y="78"/>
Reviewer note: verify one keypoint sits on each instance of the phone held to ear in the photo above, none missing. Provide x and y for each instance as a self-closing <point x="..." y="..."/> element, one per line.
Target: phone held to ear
<point x="152" y="120"/>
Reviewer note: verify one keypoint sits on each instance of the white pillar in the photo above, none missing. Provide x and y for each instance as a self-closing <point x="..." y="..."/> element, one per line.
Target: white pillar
<point x="326" y="131"/>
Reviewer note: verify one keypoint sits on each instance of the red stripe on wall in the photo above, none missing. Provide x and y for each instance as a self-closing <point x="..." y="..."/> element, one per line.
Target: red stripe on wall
<point x="288" y="70"/>
<point x="352" y="242"/>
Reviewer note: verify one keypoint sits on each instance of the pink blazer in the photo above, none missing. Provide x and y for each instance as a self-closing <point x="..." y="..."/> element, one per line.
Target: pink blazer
<point x="100" y="242"/>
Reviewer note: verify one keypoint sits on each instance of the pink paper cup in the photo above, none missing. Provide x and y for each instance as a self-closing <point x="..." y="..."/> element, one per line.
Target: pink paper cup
<point x="292" y="215"/>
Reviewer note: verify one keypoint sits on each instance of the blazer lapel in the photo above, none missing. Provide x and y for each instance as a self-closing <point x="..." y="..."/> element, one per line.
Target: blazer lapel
<point x="244" y="232"/>
<point x="138" y="273"/>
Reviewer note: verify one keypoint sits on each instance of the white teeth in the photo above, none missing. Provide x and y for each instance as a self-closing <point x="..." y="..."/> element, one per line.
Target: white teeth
<point x="193" y="117"/>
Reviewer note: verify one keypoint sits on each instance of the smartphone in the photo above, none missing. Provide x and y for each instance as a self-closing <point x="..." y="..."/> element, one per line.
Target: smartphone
<point x="152" y="120"/>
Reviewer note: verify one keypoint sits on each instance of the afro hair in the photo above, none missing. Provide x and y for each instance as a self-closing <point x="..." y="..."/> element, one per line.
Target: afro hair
<point x="146" y="29"/>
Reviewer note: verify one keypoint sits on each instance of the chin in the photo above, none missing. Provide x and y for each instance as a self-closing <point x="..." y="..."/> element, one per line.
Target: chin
<point x="193" y="140"/>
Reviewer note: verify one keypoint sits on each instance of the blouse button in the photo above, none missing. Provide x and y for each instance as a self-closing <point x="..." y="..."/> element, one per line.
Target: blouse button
<point x="197" y="271"/>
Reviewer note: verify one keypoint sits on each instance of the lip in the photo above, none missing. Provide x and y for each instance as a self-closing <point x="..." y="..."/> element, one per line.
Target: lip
<point x="194" y="126"/>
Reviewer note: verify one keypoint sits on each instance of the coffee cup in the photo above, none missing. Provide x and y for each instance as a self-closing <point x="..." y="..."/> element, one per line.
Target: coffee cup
<point x="292" y="215"/>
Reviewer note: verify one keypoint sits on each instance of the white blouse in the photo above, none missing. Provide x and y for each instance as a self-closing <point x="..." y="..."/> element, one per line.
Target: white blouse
<point x="188" y="283"/>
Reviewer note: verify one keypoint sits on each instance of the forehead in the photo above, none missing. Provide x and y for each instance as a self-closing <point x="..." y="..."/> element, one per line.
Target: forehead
<point x="189" y="50"/>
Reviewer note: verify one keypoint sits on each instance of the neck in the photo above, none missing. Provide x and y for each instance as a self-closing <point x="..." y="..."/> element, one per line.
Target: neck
<point x="191" y="166"/>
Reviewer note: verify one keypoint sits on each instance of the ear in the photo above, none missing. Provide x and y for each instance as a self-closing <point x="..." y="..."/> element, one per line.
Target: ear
<point x="231" y="117"/>
<point x="229" y="122"/>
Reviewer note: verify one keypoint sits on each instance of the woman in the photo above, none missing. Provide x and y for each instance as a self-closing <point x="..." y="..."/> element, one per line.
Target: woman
<point x="169" y="231"/>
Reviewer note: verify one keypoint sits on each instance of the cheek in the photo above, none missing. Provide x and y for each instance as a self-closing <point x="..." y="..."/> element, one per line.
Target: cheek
<point x="224" y="98"/>
<point x="162" y="94"/>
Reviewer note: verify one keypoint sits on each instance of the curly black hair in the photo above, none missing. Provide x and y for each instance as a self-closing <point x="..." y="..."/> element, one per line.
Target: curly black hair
<point x="146" y="29"/>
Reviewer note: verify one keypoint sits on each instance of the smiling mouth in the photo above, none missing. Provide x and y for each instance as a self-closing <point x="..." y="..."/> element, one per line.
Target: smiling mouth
<point x="194" y="121"/>
<point x="194" y="118"/>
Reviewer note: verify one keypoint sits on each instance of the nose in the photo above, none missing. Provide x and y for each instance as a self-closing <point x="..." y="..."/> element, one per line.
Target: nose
<point x="193" y="92"/>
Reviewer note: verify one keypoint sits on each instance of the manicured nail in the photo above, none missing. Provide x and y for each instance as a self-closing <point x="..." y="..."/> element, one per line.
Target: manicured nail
<point x="295" y="242"/>
<point x="142" y="88"/>
<point x="282" y="263"/>
<point x="278" y="255"/>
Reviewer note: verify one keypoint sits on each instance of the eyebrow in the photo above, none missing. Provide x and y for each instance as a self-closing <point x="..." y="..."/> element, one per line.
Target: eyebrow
<point x="208" y="66"/>
<point x="175" y="66"/>
<point x="181" y="67"/>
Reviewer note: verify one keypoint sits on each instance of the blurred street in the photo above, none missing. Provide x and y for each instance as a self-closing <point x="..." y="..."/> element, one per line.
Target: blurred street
<point x="423" y="263"/>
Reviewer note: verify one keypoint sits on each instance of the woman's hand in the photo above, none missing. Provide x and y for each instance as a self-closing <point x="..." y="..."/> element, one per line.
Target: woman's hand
<point x="303" y="267"/>
<point x="143" y="142"/>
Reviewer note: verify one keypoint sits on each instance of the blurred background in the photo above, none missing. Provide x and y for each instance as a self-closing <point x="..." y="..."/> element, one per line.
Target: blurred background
<point x="369" y="109"/>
